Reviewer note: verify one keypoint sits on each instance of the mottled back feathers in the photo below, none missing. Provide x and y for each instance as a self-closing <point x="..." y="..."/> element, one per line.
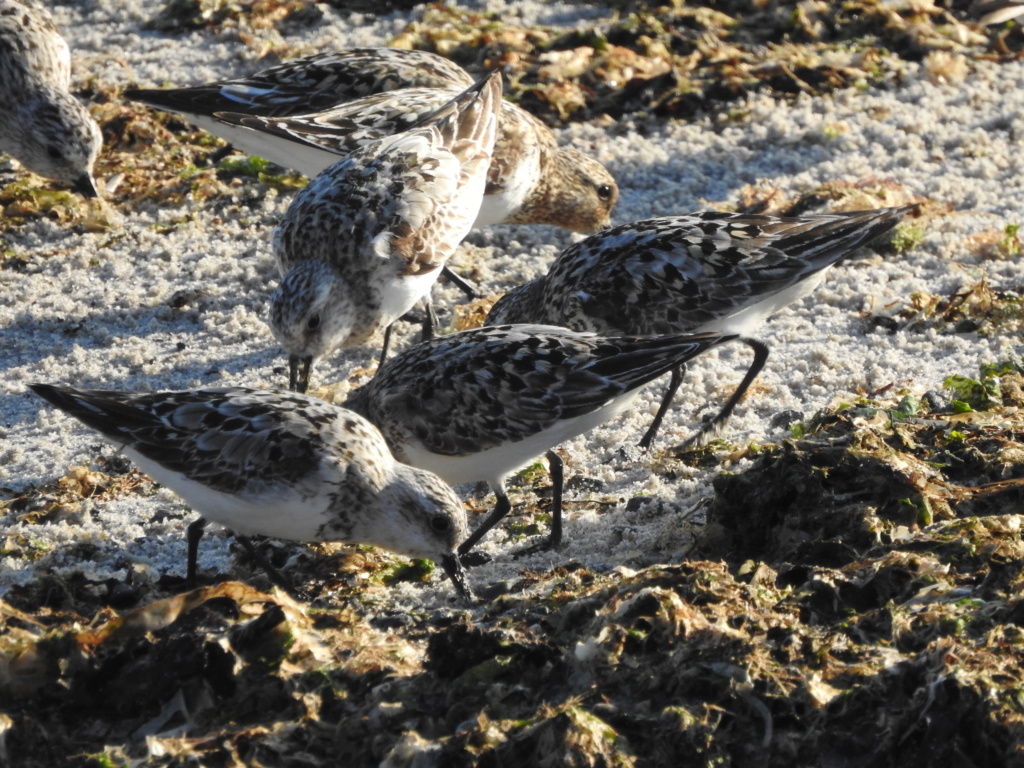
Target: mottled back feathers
<point x="682" y="273"/>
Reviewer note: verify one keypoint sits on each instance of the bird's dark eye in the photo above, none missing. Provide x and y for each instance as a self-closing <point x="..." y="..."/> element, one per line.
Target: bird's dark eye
<point x="440" y="523"/>
<point x="604" y="192"/>
<point x="54" y="152"/>
<point x="313" y="323"/>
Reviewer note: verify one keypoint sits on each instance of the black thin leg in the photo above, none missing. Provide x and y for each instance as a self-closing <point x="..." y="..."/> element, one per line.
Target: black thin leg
<point x="193" y="535"/>
<point x="299" y="370"/>
<point x="272" y="573"/>
<point x="557" y="471"/>
<point x="760" y="357"/>
<point x="384" y="347"/>
<point x="219" y="154"/>
<point x="460" y="282"/>
<point x="501" y="508"/>
<point x="430" y="322"/>
<point x="666" y="401"/>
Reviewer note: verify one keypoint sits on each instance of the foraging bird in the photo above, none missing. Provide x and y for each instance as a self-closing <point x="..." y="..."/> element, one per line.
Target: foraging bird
<point x="368" y="237"/>
<point x="306" y="113"/>
<point x="276" y="464"/>
<point x="696" y="272"/>
<point x="481" y="404"/>
<point x="42" y="125"/>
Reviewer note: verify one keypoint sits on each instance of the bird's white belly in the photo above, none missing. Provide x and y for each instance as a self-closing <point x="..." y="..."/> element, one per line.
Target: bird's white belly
<point x="400" y="295"/>
<point x="289" y="154"/>
<point x="516" y="187"/>
<point x="747" y="320"/>
<point x="280" y="511"/>
<point x="493" y="465"/>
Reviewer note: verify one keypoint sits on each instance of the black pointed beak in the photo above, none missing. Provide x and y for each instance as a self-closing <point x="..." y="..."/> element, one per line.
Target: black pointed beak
<point x="453" y="567"/>
<point x="85" y="186"/>
<point x="298" y="373"/>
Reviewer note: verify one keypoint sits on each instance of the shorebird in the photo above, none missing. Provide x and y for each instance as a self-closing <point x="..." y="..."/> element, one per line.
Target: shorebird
<point x="42" y="125"/>
<point x="305" y="113"/>
<point x="480" y="404"/>
<point x="692" y="273"/>
<point x="276" y="464"/>
<point x="368" y="237"/>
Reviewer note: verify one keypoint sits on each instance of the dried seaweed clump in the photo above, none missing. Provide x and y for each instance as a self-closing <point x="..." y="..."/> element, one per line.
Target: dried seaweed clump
<point x="184" y="15"/>
<point x="677" y="59"/>
<point x="863" y="475"/>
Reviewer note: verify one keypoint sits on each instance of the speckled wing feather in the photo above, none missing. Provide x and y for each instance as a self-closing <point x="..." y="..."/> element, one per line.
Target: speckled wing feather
<point x="530" y="179"/>
<point x="526" y="180"/>
<point x="277" y="464"/>
<point x="311" y="84"/>
<point x="229" y="439"/>
<point x="467" y="392"/>
<point x="342" y="130"/>
<point x="522" y="140"/>
<point x="402" y="198"/>
<point x="680" y="273"/>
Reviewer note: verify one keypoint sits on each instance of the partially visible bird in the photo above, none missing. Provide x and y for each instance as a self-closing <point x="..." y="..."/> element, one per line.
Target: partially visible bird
<point x="42" y="125"/>
<point x="368" y="237"/>
<point x="276" y="464"/>
<point x="309" y="84"/>
<point x="306" y="113"/>
<point x="696" y="272"/>
<point x="531" y="179"/>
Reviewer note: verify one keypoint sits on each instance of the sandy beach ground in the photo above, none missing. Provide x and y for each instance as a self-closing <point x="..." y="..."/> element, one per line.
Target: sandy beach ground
<point x="847" y="591"/>
<point x="176" y="296"/>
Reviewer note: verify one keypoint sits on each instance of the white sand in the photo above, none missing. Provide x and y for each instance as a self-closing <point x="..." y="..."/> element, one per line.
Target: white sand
<point x="92" y="309"/>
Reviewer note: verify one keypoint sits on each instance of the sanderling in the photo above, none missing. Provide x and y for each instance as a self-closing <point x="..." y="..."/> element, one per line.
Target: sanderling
<point x="367" y="238"/>
<point x="706" y="271"/>
<point x="42" y="125"/>
<point x="302" y="115"/>
<point x="480" y="404"/>
<point x="277" y="464"/>
<point x="531" y="179"/>
<point x="306" y="85"/>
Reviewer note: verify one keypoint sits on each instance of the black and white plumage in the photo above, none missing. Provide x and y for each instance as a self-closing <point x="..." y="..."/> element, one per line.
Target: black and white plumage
<point x="368" y="237"/>
<point x="306" y="113"/>
<point x="309" y="84"/>
<point x="480" y="404"/>
<point x="47" y="129"/>
<point x="531" y="180"/>
<point x="277" y="464"/>
<point x="691" y="273"/>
